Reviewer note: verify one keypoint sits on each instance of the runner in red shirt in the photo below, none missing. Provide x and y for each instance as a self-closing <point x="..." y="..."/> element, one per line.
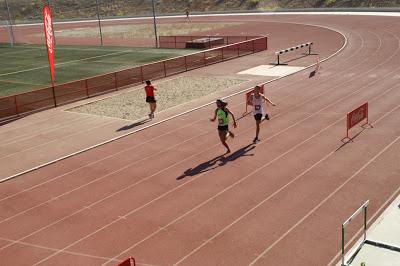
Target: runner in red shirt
<point x="150" y="98"/>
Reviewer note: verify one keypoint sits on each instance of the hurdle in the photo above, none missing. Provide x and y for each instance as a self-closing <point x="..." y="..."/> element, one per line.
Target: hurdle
<point x="363" y="208"/>
<point x="284" y="51"/>
<point x="128" y="262"/>
<point x="355" y="117"/>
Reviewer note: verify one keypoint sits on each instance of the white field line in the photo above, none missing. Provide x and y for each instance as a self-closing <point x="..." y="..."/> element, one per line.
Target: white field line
<point x="325" y="200"/>
<point x="60" y="64"/>
<point x="192" y="180"/>
<point x="170" y="118"/>
<point x="22" y="83"/>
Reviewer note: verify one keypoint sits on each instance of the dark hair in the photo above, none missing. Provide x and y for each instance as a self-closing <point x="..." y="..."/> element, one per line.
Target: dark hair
<point x="148" y="82"/>
<point x="222" y="103"/>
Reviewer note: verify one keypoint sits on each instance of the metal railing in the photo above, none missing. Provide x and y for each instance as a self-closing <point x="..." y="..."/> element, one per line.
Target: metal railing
<point x="37" y="100"/>
<point x="362" y="208"/>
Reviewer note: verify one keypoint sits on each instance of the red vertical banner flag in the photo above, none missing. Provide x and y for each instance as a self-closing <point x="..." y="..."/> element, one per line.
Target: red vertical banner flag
<point x="49" y="34"/>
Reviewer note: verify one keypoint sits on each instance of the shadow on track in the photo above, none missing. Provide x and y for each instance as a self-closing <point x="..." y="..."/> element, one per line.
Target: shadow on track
<point x="217" y="162"/>
<point x="139" y="123"/>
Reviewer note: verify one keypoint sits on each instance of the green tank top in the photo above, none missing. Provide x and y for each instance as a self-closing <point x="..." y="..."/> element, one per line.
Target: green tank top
<point x="223" y="118"/>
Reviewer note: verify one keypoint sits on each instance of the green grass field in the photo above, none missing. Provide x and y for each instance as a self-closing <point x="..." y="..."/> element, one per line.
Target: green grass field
<point x="25" y="68"/>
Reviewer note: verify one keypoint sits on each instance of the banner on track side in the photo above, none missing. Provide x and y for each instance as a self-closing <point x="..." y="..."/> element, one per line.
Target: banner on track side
<point x="49" y="35"/>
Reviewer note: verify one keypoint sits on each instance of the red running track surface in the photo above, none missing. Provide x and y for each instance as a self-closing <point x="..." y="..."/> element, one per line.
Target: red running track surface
<point x="166" y="196"/>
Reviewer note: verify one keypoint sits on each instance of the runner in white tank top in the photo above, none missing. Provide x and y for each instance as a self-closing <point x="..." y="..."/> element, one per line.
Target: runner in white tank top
<point x="257" y="99"/>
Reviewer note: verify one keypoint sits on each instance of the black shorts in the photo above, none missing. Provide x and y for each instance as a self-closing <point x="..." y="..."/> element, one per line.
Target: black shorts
<point x="150" y="99"/>
<point x="223" y="128"/>
<point x="258" y="117"/>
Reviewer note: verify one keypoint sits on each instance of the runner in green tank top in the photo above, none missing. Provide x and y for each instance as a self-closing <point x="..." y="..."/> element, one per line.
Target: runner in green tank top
<point x="223" y="122"/>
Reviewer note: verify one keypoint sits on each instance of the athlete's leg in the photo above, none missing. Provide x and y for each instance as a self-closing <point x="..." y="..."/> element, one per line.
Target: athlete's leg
<point x="223" y="137"/>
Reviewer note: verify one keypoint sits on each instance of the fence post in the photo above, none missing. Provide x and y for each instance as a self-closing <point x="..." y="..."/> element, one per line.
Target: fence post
<point x="186" y="63"/>
<point x="238" y="50"/>
<point x="54" y="95"/>
<point x="175" y="41"/>
<point x="222" y="53"/>
<point x="343" y="245"/>
<point x="16" y="105"/>
<point x="115" y="81"/>
<point x="165" y="69"/>
<point x="141" y="73"/>
<point x="87" y="88"/>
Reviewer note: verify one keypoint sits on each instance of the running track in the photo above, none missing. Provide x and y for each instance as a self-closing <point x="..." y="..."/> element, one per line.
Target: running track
<point x="164" y="196"/>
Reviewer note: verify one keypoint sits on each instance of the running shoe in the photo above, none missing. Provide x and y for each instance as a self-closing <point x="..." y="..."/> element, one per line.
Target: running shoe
<point x="267" y="116"/>
<point x="231" y="134"/>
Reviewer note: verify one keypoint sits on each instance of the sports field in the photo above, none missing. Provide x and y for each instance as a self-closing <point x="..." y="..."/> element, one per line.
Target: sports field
<point x="25" y="68"/>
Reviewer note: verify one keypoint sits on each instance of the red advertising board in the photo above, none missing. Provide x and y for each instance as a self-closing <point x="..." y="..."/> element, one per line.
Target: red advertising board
<point x="49" y="34"/>
<point x="356" y="116"/>
<point x="128" y="262"/>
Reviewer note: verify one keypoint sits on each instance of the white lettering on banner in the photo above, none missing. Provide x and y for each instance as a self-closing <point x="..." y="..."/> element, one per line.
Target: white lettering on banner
<point x="357" y="116"/>
<point x="49" y="31"/>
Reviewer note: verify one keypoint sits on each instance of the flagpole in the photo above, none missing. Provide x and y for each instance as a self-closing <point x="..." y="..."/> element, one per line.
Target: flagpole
<point x="155" y="22"/>
<point x="98" y="18"/>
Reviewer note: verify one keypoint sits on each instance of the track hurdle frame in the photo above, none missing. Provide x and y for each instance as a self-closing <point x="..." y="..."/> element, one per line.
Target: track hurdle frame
<point x="356" y="116"/>
<point x="345" y="223"/>
<point x="283" y="51"/>
<point x="128" y="262"/>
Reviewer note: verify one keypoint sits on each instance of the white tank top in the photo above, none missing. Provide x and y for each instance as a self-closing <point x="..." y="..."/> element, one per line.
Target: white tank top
<point x="257" y="105"/>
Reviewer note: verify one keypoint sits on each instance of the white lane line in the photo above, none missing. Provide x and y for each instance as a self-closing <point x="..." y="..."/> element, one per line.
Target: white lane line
<point x="169" y="192"/>
<point x="61" y="64"/>
<point x="324" y="201"/>
<point x="54" y="249"/>
<point x="340" y="13"/>
<point x="169" y="118"/>
<point x="99" y="125"/>
<point x="266" y="199"/>
<point x="42" y="131"/>
<point x="358" y="233"/>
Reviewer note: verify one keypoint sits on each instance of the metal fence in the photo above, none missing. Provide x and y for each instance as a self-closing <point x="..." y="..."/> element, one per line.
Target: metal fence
<point x="25" y="103"/>
<point x="181" y="42"/>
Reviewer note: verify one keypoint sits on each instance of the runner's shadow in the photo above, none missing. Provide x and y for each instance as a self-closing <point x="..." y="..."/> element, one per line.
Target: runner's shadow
<point x="217" y="162"/>
<point x="139" y="123"/>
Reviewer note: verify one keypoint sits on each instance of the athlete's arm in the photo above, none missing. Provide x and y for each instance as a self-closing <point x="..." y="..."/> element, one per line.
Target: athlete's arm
<point x="233" y="117"/>
<point x="268" y="100"/>
<point x="215" y="116"/>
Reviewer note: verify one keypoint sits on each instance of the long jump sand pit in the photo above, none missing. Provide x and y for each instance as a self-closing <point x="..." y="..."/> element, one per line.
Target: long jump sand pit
<point x="131" y="105"/>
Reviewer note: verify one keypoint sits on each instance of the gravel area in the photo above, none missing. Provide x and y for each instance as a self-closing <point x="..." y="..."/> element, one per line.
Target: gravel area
<point x="132" y="106"/>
